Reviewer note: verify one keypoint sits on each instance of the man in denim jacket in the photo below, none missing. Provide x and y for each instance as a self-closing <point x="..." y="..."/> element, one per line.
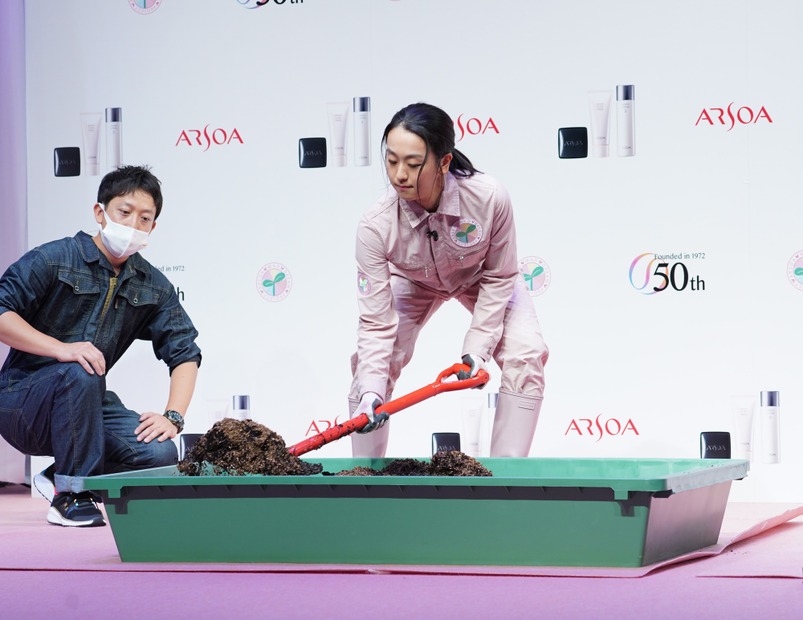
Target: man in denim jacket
<point x="69" y="309"/>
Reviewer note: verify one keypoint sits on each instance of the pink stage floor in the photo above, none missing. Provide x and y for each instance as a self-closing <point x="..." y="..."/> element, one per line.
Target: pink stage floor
<point x="755" y="571"/>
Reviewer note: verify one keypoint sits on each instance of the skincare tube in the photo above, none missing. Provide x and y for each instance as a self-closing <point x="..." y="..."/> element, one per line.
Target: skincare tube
<point x="771" y="427"/>
<point x="338" y="113"/>
<point x="742" y="408"/>
<point x="599" y="102"/>
<point x="487" y="422"/>
<point x="114" y="138"/>
<point x="90" y="131"/>
<point x="362" y="131"/>
<point x="625" y="120"/>
<point x="472" y="419"/>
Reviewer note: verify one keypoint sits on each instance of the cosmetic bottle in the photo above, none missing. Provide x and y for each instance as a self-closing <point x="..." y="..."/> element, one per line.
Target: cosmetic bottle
<point x="338" y="112"/>
<point x="487" y="422"/>
<point x="599" y="102"/>
<point x="770" y="427"/>
<point x="114" y="138"/>
<point x="626" y="120"/>
<point x="362" y="131"/>
<point x="742" y="408"/>
<point x="90" y="130"/>
<point x="472" y="419"/>
<point x="240" y="407"/>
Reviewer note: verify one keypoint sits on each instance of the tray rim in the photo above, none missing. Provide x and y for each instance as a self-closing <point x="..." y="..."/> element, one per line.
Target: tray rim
<point x="681" y="475"/>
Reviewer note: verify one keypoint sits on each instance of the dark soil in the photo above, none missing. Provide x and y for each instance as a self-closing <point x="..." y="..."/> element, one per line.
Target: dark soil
<point x="455" y="463"/>
<point x="242" y="447"/>
<point x="239" y="447"/>
<point x="451" y="463"/>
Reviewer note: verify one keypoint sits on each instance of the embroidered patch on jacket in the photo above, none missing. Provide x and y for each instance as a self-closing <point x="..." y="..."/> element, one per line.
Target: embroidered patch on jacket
<point x="466" y="233"/>
<point x="363" y="283"/>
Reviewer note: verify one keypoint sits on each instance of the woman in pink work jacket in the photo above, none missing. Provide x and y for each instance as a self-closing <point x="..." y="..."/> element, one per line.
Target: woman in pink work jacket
<point x="442" y="230"/>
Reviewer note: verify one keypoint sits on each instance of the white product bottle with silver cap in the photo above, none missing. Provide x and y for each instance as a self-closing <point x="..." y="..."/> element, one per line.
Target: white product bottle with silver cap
<point x="770" y="427"/>
<point x="472" y="420"/>
<point x="240" y="407"/>
<point x="626" y="120"/>
<point x="114" y="138"/>
<point x="362" y="131"/>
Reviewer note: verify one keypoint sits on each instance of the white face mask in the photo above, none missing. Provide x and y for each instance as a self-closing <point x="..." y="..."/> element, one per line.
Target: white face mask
<point x="122" y="241"/>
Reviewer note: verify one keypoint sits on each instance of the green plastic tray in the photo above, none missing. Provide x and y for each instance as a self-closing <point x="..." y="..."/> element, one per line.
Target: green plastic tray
<point x="532" y="512"/>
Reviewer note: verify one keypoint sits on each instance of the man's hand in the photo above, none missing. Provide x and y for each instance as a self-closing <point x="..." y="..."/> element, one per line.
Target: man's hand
<point x="155" y="426"/>
<point x="18" y="334"/>
<point x="368" y="404"/>
<point x="85" y="353"/>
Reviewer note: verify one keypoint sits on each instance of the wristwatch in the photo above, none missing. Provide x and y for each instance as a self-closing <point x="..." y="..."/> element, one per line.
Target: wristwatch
<point x="176" y="418"/>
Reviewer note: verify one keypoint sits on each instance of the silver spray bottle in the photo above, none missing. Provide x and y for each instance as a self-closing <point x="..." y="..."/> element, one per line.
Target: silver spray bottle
<point x="114" y="138"/>
<point x="626" y="120"/>
<point x="770" y="427"/>
<point x="362" y="131"/>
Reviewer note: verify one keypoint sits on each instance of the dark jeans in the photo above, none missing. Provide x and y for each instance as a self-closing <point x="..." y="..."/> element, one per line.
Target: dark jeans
<point x="63" y="411"/>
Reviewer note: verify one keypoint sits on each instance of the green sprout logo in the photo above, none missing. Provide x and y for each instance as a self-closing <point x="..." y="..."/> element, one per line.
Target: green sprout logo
<point x="144" y="7"/>
<point x="529" y="278"/>
<point x="536" y="274"/>
<point x="462" y="235"/>
<point x="363" y="285"/>
<point x="794" y="270"/>
<point x="466" y="233"/>
<point x="273" y="282"/>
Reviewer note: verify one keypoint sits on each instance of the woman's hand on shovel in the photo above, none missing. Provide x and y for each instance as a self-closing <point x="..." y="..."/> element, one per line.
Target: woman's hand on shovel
<point x="368" y="405"/>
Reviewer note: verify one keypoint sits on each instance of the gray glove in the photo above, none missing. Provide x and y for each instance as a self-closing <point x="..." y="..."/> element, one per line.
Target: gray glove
<point x="475" y="364"/>
<point x="368" y="405"/>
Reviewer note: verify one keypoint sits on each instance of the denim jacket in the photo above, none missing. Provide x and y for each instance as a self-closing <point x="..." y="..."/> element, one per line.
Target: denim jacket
<point x="67" y="289"/>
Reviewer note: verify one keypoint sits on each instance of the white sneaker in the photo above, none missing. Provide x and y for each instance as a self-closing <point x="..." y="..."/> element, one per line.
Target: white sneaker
<point x="45" y="483"/>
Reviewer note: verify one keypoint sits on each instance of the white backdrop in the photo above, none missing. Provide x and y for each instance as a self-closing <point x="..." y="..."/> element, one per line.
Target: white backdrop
<point x="215" y="96"/>
<point x="12" y="174"/>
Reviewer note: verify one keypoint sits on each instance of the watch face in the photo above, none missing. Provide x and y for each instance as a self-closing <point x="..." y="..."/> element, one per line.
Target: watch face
<point x="175" y="418"/>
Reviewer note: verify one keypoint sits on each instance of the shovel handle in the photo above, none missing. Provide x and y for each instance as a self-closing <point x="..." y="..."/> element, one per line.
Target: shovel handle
<point x="393" y="406"/>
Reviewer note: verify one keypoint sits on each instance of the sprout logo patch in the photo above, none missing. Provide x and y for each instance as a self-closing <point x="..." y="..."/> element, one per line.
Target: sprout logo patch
<point x="794" y="270"/>
<point x="144" y="7"/>
<point x="274" y="282"/>
<point x="363" y="283"/>
<point x="466" y="233"/>
<point x="536" y="274"/>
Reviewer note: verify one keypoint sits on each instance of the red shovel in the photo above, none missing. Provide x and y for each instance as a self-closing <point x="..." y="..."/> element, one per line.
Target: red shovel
<point x="393" y="406"/>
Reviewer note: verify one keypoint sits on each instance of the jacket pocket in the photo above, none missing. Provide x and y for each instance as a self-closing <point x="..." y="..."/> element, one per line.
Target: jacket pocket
<point x="71" y="304"/>
<point x="140" y="296"/>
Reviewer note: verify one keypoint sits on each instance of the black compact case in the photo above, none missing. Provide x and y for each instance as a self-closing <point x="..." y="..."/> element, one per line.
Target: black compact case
<point x="445" y="442"/>
<point x="67" y="161"/>
<point x="312" y="153"/>
<point x="572" y="142"/>
<point x="715" y="445"/>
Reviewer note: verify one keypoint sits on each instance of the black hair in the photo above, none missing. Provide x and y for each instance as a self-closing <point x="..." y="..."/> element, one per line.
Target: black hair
<point x="127" y="180"/>
<point x="436" y="129"/>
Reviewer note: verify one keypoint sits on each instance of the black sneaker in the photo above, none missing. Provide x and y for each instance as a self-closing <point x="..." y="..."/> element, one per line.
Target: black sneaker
<point x="75" y="510"/>
<point x="45" y="482"/>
